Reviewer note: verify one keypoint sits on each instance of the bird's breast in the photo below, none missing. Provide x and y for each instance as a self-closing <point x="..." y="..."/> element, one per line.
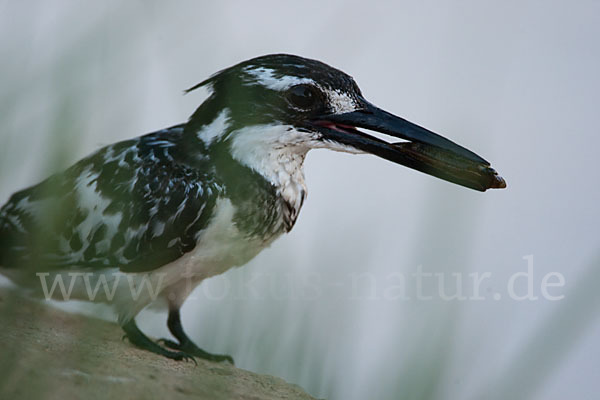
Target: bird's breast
<point x="225" y="243"/>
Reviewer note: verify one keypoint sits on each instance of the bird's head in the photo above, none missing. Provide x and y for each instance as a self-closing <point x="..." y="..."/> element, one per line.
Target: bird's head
<point x="281" y="101"/>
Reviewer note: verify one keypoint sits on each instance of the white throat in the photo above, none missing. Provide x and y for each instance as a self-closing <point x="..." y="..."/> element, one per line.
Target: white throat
<point x="276" y="152"/>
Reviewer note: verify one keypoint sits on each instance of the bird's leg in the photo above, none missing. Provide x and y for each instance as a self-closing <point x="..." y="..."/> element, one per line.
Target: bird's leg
<point x="185" y="343"/>
<point x="137" y="338"/>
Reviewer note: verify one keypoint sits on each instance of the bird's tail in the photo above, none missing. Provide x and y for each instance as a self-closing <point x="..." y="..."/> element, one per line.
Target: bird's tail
<point x="3" y="243"/>
<point x="6" y="239"/>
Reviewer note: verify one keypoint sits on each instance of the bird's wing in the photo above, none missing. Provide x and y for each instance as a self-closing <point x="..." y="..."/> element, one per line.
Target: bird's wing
<point x="130" y="205"/>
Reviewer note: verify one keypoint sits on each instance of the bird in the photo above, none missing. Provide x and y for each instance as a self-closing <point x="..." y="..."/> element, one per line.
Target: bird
<point x="147" y="219"/>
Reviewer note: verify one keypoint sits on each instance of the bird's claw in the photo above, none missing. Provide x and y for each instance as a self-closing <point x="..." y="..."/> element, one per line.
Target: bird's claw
<point x="169" y="343"/>
<point x="181" y="356"/>
<point x="194" y="351"/>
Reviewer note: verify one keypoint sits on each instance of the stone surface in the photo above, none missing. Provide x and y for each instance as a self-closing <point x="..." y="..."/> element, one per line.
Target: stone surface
<point x="46" y="353"/>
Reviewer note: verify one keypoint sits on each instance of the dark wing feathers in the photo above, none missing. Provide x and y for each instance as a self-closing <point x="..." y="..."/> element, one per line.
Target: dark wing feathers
<point x="132" y="205"/>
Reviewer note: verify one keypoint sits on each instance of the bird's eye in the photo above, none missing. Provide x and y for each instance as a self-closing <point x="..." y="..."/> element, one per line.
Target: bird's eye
<point x="302" y="96"/>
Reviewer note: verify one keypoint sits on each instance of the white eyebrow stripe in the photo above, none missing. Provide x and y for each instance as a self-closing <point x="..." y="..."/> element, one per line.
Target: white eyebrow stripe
<point x="266" y="77"/>
<point x="341" y="102"/>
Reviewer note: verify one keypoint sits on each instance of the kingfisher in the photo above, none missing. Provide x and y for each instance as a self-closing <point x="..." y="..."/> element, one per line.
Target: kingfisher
<point x="145" y="220"/>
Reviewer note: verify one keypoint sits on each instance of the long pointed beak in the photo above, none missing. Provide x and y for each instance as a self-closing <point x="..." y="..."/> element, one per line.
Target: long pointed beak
<point x="424" y="150"/>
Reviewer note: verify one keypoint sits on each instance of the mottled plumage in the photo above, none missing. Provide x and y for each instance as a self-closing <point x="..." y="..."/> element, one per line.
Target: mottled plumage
<point x="135" y="205"/>
<point x="177" y="206"/>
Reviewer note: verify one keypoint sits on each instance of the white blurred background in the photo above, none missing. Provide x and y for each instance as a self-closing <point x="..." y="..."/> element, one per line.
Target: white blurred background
<point x="518" y="82"/>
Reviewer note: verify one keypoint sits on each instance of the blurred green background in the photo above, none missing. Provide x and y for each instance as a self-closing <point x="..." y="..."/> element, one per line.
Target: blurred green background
<point x="515" y="81"/>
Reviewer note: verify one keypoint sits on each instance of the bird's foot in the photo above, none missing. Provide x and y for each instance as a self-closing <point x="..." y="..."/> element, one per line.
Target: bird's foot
<point x="138" y="339"/>
<point x="189" y="347"/>
<point x="173" y="355"/>
<point x="178" y="355"/>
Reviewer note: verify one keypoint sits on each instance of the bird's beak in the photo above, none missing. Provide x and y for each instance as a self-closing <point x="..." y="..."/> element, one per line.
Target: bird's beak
<point x="424" y="150"/>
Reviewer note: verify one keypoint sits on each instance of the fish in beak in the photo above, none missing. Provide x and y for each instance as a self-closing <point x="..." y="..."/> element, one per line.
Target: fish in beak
<point x="422" y="149"/>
